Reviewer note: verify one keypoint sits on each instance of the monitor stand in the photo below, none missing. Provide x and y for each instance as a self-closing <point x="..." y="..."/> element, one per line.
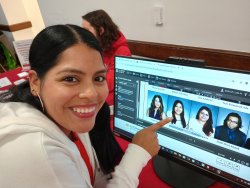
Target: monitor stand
<point x="179" y="176"/>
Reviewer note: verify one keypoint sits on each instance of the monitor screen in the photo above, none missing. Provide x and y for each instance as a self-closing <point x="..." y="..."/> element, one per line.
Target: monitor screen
<point x="210" y="107"/>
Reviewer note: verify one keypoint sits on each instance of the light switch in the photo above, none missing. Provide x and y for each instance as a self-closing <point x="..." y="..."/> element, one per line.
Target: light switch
<point x="158" y="15"/>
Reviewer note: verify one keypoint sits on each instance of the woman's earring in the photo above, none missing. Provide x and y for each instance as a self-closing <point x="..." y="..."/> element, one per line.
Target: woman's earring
<point x="41" y="102"/>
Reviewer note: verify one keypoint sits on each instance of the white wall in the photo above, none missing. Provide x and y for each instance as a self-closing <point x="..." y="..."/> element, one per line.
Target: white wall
<point x="34" y="15"/>
<point x="18" y="11"/>
<point x="218" y="24"/>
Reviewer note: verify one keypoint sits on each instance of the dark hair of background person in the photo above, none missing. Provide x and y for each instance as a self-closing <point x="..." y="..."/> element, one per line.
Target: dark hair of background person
<point x="152" y="105"/>
<point x="233" y="114"/>
<point x="98" y="19"/>
<point x="183" y="122"/>
<point x="208" y="126"/>
<point x="45" y="50"/>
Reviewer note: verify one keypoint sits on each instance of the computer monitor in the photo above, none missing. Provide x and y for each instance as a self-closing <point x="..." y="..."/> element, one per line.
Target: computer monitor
<point x="211" y="129"/>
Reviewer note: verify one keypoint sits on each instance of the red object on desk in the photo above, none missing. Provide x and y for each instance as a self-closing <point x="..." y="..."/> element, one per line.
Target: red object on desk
<point x="13" y="77"/>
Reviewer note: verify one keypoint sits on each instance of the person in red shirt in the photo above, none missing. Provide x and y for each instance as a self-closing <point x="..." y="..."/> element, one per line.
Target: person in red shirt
<point x="112" y="41"/>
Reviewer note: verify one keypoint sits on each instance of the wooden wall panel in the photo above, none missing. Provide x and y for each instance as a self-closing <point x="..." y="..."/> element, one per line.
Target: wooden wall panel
<point x="16" y="27"/>
<point x="212" y="57"/>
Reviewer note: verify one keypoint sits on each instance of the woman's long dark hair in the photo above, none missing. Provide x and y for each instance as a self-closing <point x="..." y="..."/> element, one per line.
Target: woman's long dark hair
<point x="98" y="19"/>
<point x="152" y="105"/>
<point x="183" y="121"/>
<point x="110" y="153"/>
<point x="208" y="126"/>
<point x="45" y="50"/>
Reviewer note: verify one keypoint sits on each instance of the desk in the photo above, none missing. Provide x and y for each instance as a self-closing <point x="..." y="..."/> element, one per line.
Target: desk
<point x="11" y="78"/>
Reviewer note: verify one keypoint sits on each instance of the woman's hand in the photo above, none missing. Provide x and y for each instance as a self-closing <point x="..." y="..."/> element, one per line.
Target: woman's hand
<point x="147" y="137"/>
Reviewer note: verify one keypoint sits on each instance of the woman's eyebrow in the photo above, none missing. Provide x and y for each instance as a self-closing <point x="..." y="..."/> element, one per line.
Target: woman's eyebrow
<point x="78" y="71"/>
<point x="102" y="71"/>
<point x="70" y="70"/>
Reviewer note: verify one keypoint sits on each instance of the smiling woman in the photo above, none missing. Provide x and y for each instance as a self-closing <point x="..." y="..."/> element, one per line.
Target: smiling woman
<point x="59" y="120"/>
<point x="79" y="89"/>
<point x="203" y="122"/>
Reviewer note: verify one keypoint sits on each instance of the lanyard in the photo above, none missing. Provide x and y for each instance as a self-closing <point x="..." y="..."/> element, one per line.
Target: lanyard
<point x="84" y="155"/>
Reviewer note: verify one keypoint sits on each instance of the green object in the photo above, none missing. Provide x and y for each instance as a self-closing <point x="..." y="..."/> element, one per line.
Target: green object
<point x="10" y="61"/>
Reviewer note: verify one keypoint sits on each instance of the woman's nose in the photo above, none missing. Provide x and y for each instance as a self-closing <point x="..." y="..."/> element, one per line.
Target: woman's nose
<point x="88" y="91"/>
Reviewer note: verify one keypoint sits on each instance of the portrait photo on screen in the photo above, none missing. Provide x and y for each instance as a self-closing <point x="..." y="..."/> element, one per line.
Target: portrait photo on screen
<point x="232" y="127"/>
<point x="202" y="119"/>
<point x="157" y="105"/>
<point x="179" y="109"/>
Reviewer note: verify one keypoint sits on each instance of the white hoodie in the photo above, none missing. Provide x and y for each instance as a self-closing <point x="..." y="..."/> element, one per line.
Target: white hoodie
<point x="35" y="153"/>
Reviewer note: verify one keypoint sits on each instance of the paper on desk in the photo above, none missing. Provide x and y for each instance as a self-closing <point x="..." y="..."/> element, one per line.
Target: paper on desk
<point x="22" y="74"/>
<point x="19" y="81"/>
<point x="5" y="82"/>
<point x="22" y="48"/>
